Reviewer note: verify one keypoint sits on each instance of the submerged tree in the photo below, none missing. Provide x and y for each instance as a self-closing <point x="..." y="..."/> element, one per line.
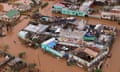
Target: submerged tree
<point x="22" y="54"/>
<point x="34" y="2"/>
<point x="31" y="67"/>
<point x="5" y="47"/>
<point x="98" y="70"/>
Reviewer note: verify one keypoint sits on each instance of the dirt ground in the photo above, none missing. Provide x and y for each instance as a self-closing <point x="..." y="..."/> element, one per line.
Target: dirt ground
<point x="48" y="63"/>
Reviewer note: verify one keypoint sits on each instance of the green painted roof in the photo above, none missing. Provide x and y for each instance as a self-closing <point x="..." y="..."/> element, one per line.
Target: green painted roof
<point x="12" y="13"/>
<point x="57" y="6"/>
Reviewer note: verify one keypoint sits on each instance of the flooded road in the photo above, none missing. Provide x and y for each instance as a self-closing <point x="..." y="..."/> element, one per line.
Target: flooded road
<point x="48" y="63"/>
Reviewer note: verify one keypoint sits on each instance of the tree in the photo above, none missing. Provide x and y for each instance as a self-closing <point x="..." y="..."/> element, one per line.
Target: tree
<point x="31" y="66"/>
<point x="43" y="5"/>
<point x="34" y="2"/>
<point x="5" y="47"/>
<point x="3" y="0"/>
<point x="98" y="70"/>
<point x="21" y="55"/>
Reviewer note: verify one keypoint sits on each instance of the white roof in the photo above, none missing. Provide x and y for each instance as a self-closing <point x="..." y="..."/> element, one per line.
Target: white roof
<point x="116" y="8"/>
<point x="97" y="26"/>
<point x="74" y="34"/>
<point x="58" y="30"/>
<point x="36" y="28"/>
<point x="31" y="28"/>
<point x="85" y="5"/>
<point x="27" y="2"/>
<point x="22" y="34"/>
<point x="101" y="0"/>
<point x="110" y="13"/>
<point x="48" y="41"/>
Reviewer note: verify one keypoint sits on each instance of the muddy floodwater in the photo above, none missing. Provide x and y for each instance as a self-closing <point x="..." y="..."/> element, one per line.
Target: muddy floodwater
<point x="48" y="63"/>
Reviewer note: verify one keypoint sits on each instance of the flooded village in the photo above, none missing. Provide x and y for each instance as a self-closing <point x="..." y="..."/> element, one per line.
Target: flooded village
<point x="59" y="36"/>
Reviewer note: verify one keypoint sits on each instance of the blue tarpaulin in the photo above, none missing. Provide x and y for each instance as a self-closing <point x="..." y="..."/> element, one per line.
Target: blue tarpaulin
<point x="51" y="44"/>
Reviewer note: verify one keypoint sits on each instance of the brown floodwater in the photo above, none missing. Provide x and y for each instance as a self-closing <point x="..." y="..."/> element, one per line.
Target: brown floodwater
<point x="48" y="63"/>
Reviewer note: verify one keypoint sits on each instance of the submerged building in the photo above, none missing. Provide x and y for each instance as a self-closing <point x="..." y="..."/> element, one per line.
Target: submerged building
<point x="73" y="9"/>
<point x="111" y="13"/>
<point x="10" y="16"/>
<point x="78" y="42"/>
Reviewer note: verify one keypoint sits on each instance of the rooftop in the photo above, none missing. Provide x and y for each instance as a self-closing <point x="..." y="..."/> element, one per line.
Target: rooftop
<point x="12" y="13"/>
